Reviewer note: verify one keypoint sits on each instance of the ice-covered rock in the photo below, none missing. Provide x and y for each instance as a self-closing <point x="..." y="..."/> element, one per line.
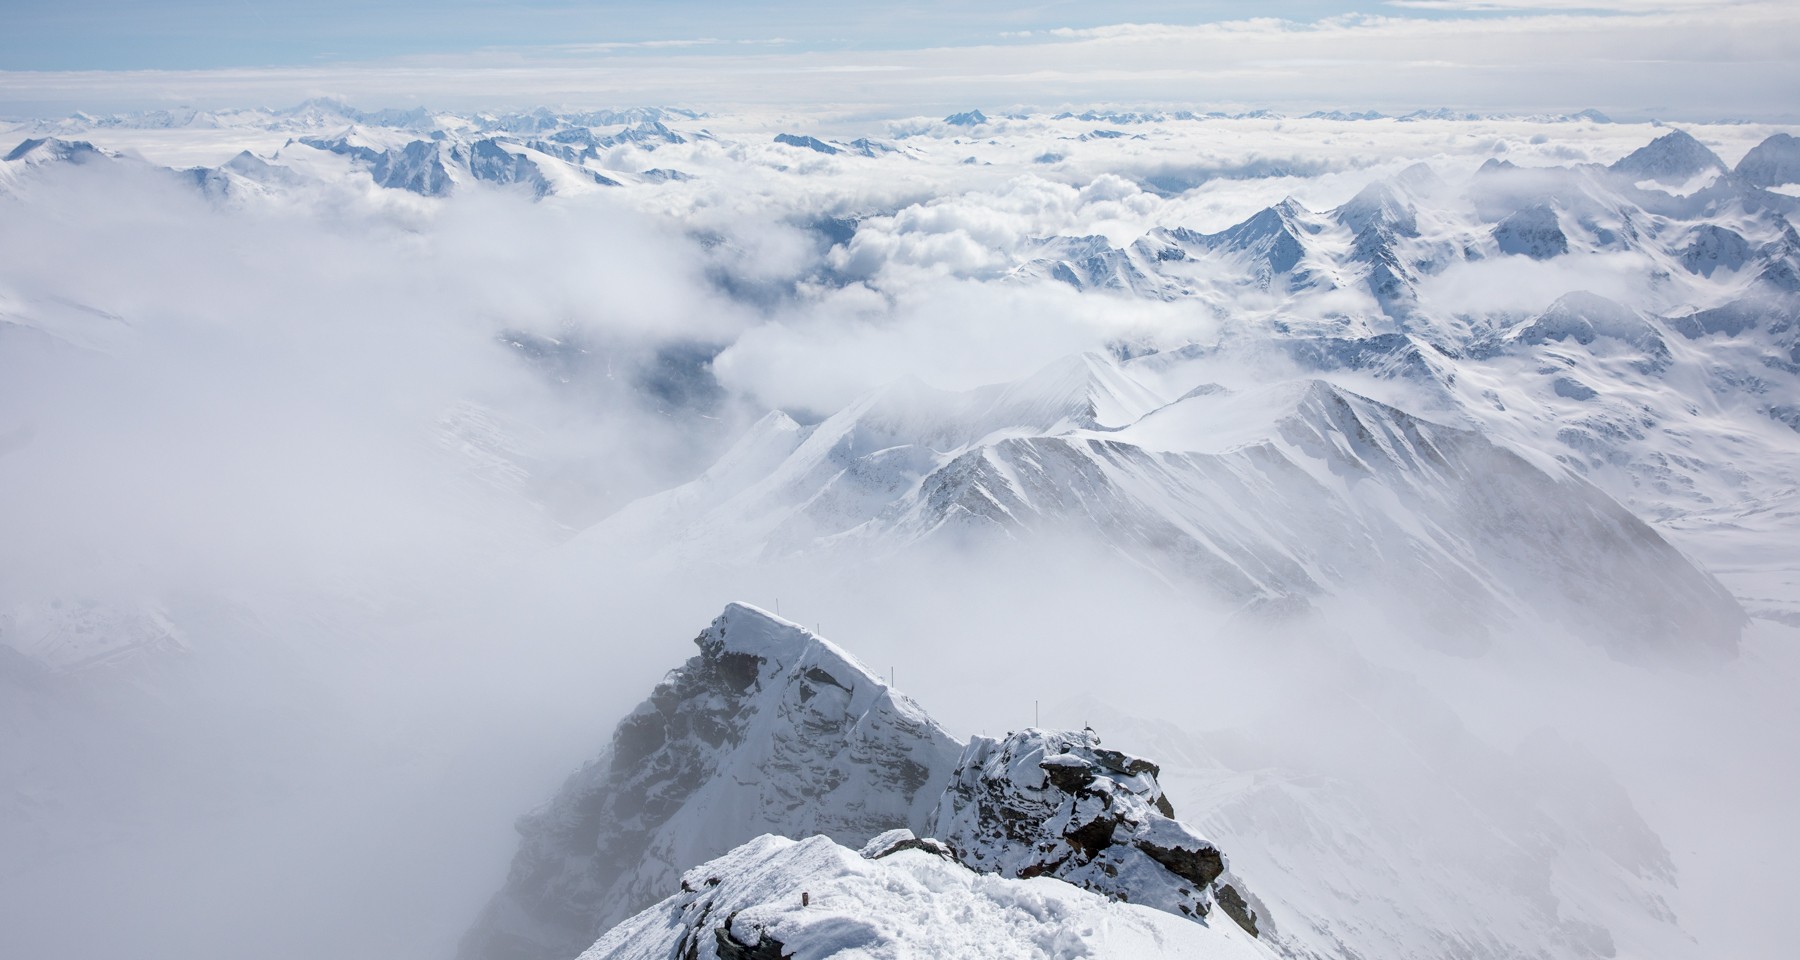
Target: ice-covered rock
<point x="1053" y="804"/>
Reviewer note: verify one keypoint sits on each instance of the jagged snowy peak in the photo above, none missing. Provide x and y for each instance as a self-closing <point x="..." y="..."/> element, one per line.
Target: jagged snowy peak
<point x="773" y="732"/>
<point x="646" y="135"/>
<point x="1771" y="163"/>
<point x="54" y="150"/>
<point x="1048" y="804"/>
<point x="1379" y="209"/>
<point x="775" y="898"/>
<point x="43" y="153"/>
<point x="1093" y="263"/>
<point x="1382" y="223"/>
<point x="422" y="167"/>
<point x="1273" y="242"/>
<point x="1267" y="498"/>
<point x="771" y="729"/>
<point x="826" y="479"/>
<point x="434" y="167"/>
<point x="866" y="147"/>
<point x="1673" y="158"/>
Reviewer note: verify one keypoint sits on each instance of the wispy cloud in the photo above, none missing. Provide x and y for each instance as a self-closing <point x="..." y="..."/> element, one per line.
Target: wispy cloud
<point x="1682" y="59"/>
<point x="1587" y="6"/>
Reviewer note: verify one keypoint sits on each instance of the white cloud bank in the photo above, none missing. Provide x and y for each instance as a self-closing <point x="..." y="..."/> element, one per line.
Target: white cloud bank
<point x="1682" y="60"/>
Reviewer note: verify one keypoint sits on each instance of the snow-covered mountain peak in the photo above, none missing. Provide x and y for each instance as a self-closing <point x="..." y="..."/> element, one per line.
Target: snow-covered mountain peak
<point x="1378" y="207"/>
<point x="1584" y="317"/>
<point x="38" y="150"/>
<point x="773" y="732"/>
<point x="1674" y="158"/>
<point x="1081" y="390"/>
<point x="1772" y="163"/>
<point x="782" y="649"/>
<point x="771" y="729"/>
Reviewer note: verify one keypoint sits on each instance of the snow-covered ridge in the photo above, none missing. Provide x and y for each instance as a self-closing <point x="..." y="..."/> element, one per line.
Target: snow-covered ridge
<point x="774" y="897"/>
<point x="1266" y="498"/>
<point x="774" y="730"/>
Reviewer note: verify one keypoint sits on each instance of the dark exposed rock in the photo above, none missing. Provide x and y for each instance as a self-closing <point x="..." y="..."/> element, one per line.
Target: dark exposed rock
<point x="732" y="947"/>
<point x="1202" y="865"/>
<point x="1237" y="908"/>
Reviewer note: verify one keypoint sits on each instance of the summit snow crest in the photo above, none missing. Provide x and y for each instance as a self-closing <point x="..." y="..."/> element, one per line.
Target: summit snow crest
<point x="775" y="730"/>
<point x="771" y="729"/>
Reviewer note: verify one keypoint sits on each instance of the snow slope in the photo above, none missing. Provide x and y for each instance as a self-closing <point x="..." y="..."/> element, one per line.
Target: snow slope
<point x="774" y="897"/>
<point x="1266" y="498"/>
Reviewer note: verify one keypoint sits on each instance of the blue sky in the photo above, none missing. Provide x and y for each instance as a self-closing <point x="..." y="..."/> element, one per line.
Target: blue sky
<point x="1669" y="59"/>
<point x="202" y="34"/>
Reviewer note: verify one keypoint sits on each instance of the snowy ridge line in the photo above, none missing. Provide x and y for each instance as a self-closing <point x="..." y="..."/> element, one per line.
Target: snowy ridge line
<point x="1269" y="499"/>
<point x="774" y="730"/>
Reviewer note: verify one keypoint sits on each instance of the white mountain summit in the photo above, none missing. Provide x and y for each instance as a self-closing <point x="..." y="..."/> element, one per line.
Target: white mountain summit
<point x="775" y="732"/>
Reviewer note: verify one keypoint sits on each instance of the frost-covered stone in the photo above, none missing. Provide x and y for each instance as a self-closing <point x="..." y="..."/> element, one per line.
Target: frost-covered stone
<point x="1057" y="804"/>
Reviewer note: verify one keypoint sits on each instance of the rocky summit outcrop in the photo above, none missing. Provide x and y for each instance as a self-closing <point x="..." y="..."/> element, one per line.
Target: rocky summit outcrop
<point x="771" y="729"/>
<point x="1057" y="804"/>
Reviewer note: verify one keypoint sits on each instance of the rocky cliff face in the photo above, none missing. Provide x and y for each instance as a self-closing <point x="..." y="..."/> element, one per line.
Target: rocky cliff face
<point x="769" y="730"/>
